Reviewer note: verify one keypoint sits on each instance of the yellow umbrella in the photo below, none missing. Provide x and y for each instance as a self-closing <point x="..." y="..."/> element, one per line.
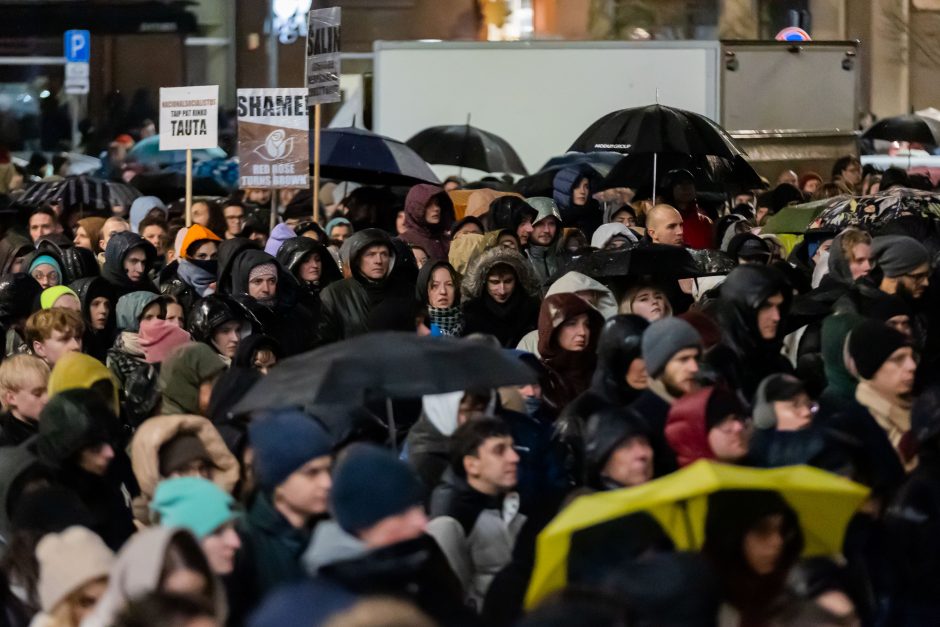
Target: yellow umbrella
<point x="823" y="502"/>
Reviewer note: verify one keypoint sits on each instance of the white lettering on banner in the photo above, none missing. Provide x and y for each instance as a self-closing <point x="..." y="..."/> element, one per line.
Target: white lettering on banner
<point x="323" y="62"/>
<point x="273" y="146"/>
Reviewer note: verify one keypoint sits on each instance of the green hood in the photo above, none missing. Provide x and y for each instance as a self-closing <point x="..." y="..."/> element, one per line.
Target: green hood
<point x="182" y="374"/>
<point x="835" y="330"/>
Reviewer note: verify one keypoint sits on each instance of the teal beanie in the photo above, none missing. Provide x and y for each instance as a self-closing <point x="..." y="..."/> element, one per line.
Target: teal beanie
<point x="193" y="503"/>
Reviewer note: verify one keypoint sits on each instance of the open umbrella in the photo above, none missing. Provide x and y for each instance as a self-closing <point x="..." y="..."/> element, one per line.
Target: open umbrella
<point x="912" y="128"/>
<point x="384" y="365"/>
<point x="147" y="151"/>
<point x="636" y="171"/>
<point x="80" y="192"/>
<point x="542" y="182"/>
<point x="824" y="504"/>
<point x="877" y="209"/>
<point x="466" y="146"/>
<point x="656" y="260"/>
<point x="361" y="156"/>
<point x="797" y="218"/>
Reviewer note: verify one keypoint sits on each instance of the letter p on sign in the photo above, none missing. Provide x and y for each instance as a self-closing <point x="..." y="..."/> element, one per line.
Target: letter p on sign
<point x="77" y="46"/>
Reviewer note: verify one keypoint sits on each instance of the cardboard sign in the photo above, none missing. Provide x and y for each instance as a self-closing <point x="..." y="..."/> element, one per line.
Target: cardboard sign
<point x="189" y="117"/>
<point x="323" y="56"/>
<point x="273" y="149"/>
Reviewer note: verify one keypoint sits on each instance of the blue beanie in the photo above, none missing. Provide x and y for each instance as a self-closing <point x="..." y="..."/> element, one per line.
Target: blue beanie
<point x="283" y="441"/>
<point x="48" y="261"/>
<point x="193" y="503"/>
<point x="370" y="484"/>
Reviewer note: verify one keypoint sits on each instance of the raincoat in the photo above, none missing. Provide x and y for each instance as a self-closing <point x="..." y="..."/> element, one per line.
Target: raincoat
<point x="433" y="239"/>
<point x="508" y="321"/>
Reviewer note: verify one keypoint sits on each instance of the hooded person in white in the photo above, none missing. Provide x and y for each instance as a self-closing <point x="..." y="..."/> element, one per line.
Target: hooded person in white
<point x="607" y="234"/>
<point x="594" y="292"/>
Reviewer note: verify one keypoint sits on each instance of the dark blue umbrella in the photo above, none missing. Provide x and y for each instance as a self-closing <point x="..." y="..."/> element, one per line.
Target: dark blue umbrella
<point x="541" y="183"/>
<point x="360" y="156"/>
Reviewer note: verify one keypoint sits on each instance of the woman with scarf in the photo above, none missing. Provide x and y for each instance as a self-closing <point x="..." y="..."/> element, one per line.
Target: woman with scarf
<point x="437" y="289"/>
<point x="568" y="333"/>
<point x="193" y="275"/>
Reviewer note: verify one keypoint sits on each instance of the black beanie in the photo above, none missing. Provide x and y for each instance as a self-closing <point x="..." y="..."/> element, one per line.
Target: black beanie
<point x="871" y="344"/>
<point x="720" y="405"/>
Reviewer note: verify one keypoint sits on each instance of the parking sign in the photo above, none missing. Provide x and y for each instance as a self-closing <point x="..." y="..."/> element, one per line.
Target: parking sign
<point x="77" y="46"/>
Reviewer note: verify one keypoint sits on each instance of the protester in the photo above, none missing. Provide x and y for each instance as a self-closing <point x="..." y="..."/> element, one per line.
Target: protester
<point x="664" y="225"/>
<point x="709" y="424"/>
<point x="312" y="265"/>
<point x="23" y="382"/>
<point x="51" y="333"/>
<point x="88" y="234"/>
<point x="127" y="261"/>
<point x="617" y="450"/>
<point x="499" y="296"/>
<point x="475" y="512"/>
<point x="568" y="334"/>
<point x="42" y="221"/>
<point x="679" y="192"/>
<point x="219" y="322"/>
<point x="429" y="215"/>
<point x="187" y="377"/>
<point x="438" y="289"/>
<point x="543" y="241"/>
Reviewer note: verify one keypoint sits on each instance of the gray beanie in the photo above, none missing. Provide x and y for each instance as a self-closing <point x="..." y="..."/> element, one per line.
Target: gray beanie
<point x="663" y="339"/>
<point x="898" y="255"/>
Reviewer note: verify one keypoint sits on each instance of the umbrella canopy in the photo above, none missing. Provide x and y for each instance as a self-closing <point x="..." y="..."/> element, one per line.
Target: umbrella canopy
<point x="797" y="218"/>
<point x="542" y="182"/>
<point x="907" y="128"/>
<point x="824" y="504"/>
<point x="147" y="151"/>
<point x="358" y="155"/>
<point x="80" y="192"/>
<point x="844" y="211"/>
<point x="169" y="186"/>
<point x="466" y="146"/>
<point x="656" y="260"/>
<point x="657" y="129"/>
<point x="384" y="365"/>
<point x="636" y="171"/>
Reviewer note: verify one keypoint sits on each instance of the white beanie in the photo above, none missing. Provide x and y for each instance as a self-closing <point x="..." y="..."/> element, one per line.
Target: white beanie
<point x="68" y="561"/>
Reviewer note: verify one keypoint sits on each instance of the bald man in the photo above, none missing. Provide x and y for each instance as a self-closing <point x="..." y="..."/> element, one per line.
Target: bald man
<point x="664" y="225"/>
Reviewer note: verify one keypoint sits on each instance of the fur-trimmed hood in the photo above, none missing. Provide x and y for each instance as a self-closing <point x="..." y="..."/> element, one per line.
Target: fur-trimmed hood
<point x="475" y="278"/>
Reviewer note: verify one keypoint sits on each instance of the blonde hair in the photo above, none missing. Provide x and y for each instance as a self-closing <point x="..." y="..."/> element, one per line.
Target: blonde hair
<point x="19" y="371"/>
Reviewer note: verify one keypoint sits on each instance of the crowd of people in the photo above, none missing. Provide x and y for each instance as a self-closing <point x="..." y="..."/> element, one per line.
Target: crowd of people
<point x="132" y="493"/>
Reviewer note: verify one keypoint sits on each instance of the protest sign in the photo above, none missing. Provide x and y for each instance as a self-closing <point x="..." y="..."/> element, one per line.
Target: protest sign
<point x="189" y="117"/>
<point x="323" y="63"/>
<point x="273" y="148"/>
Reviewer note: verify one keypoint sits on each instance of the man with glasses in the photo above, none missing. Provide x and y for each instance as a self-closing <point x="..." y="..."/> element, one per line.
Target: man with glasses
<point x="234" y="213"/>
<point x="905" y="264"/>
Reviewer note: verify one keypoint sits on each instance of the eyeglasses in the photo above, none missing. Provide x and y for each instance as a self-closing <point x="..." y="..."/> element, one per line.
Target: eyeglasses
<point x="919" y="277"/>
<point x="812" y="406"/>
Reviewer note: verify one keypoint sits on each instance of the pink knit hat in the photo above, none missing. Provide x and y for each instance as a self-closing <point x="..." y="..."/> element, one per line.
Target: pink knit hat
<point x="159" y="337"/>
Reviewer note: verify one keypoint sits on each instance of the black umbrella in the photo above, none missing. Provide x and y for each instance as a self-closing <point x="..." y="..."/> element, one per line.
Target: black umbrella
<point x="655" y="260"/>
<point x="384" y="365"/>
<point x="657" y="129"/>
<point x="908" y="128"/>
<point x="80" y="192"/>
<point x="542" y="182"/>
<point x="360" y="156"/>
<point x="636" y="171"/>
<point x="466" y="146"/>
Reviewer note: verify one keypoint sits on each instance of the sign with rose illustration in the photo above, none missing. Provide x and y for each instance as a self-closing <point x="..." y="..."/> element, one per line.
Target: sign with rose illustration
<point x="273" y="150"/>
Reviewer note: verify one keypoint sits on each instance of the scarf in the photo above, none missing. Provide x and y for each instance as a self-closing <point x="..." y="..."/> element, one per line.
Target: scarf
<point x="200" y="278"/>
<point x="894" y="417"/>
<point x="448" y="319"/>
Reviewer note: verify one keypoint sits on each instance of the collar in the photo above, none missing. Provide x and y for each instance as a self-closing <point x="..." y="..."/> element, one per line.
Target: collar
<point x="897" y="415"/>
<point x="658" y="388"/>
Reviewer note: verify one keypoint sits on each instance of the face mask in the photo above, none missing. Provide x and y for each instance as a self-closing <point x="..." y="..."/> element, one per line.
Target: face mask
<point x="532" y="405"/>
<point x="209" y="265"/>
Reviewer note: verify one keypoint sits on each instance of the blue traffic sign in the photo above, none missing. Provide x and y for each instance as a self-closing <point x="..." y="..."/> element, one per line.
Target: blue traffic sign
<point x="77" y="46"/>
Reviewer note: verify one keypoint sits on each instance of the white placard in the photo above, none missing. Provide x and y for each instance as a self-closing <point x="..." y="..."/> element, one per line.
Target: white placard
<point x="189" y="117"/>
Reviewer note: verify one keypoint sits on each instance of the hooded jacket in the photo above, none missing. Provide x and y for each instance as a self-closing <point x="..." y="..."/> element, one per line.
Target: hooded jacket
<point x="297" y="250"/>
<point x="113" y="271"/>
<point x="508" y="321"/>
<point x="570" y="372"/>
<point x="80" y="371"/>
<point x="586" y="217"/>
<point x="16" y="463"/>
<point x="138" y="571"/>
<point x="475" y="531"/>
<point x="211" y="312"/>
<point x="140" y="395"/>
<point x="414" y="570"/>
<point x="73" y="420"/>
<point x="744" y="290"/>
<point x="141" y="207"/>
<point x="604" y="431"/>
<point x="544" y="259"/>
<point x="182" y="374"/>
<point x="19" y="296"/>
<point x="229" y="250"/>
<point x="157" y="431"/>
<point x="346" y="304"/>
<point x="618" y="346"/>
<point x="509" y="211"/>
<point x="12" y="247"/>
<point x="432" y="238"/>
<point x="288" y="321"/>
<point x="572" y="283"/>
<point x="686" y="429"/>
<point x="96" y="343"/>
<point x="428" y="441"/>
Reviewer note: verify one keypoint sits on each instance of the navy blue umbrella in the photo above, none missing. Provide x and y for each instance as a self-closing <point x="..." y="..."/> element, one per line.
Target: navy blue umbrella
<point x="361" y="156"/>
<point x="542" y="182"/>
